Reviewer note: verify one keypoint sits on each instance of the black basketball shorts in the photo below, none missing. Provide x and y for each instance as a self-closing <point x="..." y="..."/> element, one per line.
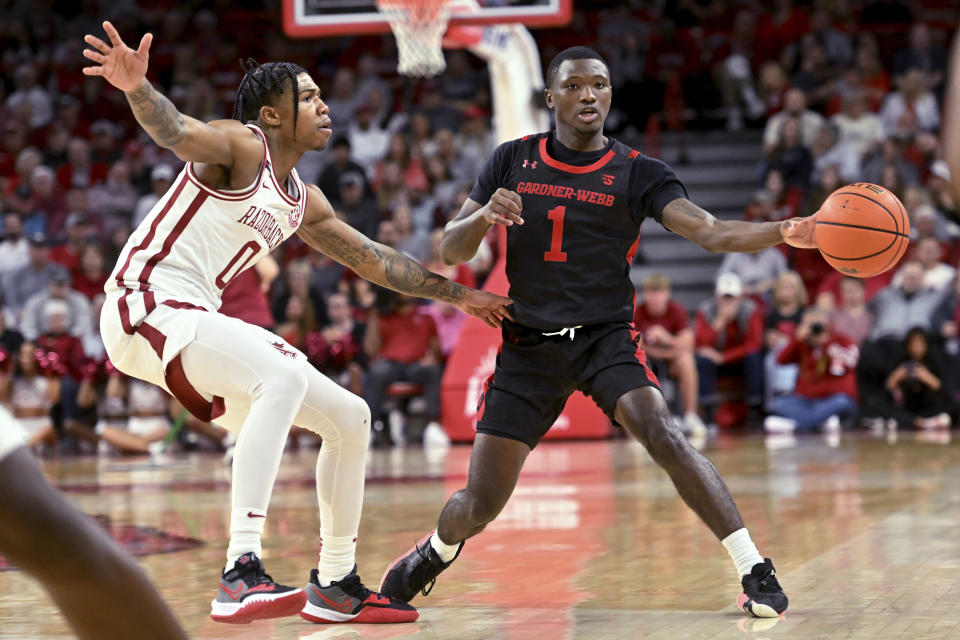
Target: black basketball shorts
<point x="535" y="374"/>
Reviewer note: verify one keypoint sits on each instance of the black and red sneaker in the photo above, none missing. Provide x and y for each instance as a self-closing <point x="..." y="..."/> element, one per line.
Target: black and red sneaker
<point x="415" y="571"/>
<point x="762" y="596"/>
<point x="347" y="600"/>
<point x="247" y="593"/>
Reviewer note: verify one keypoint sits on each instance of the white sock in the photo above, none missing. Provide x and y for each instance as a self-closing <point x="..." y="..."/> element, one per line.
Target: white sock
<point x="444" y="550"/>
<point x="742" y="551"/>
<point x="246" y="528"/>
<point x="337" y="558"/>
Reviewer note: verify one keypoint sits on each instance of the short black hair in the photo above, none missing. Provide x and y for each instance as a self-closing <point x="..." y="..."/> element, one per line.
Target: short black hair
<point x="571" y="53"/>
<point x="262" y="84"/>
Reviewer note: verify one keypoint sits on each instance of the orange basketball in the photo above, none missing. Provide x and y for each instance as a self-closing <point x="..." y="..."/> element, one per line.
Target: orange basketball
<point x="862" y="230"/>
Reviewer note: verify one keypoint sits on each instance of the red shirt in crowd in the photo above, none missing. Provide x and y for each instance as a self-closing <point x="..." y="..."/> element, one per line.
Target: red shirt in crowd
<point x="674" y="320"/>
<point x="406" y="337"/>
<point x="90" y="287"/>
<point x="96" y="173"/>
<point x="69" y="350"/>
<point x="245" y="299"/>
<point x="329" y="351"/>
<point x="831" y="284"/>
<point x="68" y="256"/>
<point x="824" y="370"/>
<point x="739" y="341"/>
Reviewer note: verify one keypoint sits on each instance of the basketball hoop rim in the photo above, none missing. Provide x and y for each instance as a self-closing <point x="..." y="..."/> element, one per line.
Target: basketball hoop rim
<point x="377" y="24"/>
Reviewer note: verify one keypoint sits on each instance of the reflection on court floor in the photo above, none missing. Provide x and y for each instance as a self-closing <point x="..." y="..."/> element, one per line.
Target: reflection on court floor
<point x="594" y="544"/>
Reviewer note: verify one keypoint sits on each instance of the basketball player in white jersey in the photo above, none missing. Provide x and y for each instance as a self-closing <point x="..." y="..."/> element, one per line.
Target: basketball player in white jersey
<point x="237" y="198"/>
<point x="82" y="569"/>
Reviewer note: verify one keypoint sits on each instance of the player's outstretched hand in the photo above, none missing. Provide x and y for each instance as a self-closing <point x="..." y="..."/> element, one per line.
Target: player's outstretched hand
<point x="487" y="306"/>
<point x="798" y="232"/>
<point x="119" y="65"/>
<point x="505" y="207"/>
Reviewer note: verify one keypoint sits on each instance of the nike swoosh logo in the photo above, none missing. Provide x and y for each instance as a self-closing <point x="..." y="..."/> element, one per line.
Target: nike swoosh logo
<point x="341" y="607"/>
<point x="233" y="593"/>
<point x="251" y="514"/>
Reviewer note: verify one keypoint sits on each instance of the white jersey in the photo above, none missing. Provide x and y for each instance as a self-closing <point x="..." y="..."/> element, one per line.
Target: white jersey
<point x="197" y="239"/>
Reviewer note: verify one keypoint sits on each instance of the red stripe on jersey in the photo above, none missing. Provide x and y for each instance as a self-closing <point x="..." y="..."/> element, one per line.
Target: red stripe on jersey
<point x="225" y="195"/>
<point x="281" y="190"/>
<point x="182" y="305"/>
<point x="177" y="382"/>
<point x="152" y="335"/>
<point x="569" y="168"/>
<point x="631" y="252"/>
<point x="150" y="301"/>
<point x="482" y="404"/>
<point x="641" y="357"/>
<point x="633" y="154"/>
<point x="152" y="232"/>
<point x="235" y="195"/>
<point x="268" y="166"/>
<point x="178" y="228"/>
<point x="188" y="396"/>
<point x="124" y="310"/>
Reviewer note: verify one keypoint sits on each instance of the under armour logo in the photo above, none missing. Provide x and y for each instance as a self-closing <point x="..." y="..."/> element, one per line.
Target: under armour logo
<point x="279" y="346"/>
<point x="528" y="164"/>
<point x="608" y="179"/>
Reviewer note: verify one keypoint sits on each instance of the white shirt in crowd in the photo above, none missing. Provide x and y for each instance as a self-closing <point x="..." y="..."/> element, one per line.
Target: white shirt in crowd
<point x="860" y="133"/>
<point x="13" y="255"/>
<point x="925" y="110"/>
<point x="939" y="278"/>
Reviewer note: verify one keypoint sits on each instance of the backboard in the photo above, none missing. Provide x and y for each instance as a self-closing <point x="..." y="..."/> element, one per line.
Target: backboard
<point x="312" y="18"/>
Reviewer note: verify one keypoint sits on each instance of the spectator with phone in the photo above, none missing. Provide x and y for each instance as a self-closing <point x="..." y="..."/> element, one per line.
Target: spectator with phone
<point x="826" y="391"/>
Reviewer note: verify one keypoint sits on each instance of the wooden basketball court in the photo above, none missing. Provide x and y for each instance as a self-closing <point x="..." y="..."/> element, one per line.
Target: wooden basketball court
<point x="594" y="544"/>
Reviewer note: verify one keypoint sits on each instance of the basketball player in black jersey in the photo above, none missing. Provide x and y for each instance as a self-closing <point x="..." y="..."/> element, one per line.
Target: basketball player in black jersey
<point x="573" y="201"/>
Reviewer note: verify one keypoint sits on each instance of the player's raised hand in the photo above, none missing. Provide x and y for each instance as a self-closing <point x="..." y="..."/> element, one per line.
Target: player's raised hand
<point x="487" y="306"/>
<point x="119" y="65"/>
<point x="505" y="207"/>
<point x="798" y="232"/>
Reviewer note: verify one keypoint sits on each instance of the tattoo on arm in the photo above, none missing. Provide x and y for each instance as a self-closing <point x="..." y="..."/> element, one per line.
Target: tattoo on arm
<point x="400" y="272"/>
<point x="157" y="115"/>
<point x="691" y="210"/>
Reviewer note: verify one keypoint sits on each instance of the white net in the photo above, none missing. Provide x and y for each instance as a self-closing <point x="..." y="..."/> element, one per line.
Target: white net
<point x="418" y="26"/>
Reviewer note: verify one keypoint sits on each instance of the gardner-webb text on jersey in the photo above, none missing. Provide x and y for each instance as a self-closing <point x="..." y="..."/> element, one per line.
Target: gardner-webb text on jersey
<point x="568" y="193"/>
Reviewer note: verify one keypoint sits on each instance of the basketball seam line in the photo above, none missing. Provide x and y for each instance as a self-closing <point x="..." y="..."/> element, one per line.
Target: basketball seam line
<point x="903" y="221"/>
<point x="872" y="255"/>
<point x="860" y="226"/>
<point x="860" y="195"/>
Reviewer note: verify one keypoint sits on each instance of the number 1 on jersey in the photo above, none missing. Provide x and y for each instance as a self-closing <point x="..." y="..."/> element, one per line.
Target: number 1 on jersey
<point x="556" y="240"/>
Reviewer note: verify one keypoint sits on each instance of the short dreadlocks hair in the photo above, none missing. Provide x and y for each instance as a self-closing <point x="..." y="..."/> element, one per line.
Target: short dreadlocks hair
<point x="262" y="84"/>
<point x="571" y="53"/>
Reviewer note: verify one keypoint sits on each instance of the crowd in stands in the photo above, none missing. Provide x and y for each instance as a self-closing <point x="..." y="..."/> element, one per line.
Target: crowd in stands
<point x="844" y="93"/>
<point x="787" y="342"/>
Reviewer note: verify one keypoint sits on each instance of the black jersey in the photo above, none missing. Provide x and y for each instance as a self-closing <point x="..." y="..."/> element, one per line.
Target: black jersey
<point x="569" y="262"/>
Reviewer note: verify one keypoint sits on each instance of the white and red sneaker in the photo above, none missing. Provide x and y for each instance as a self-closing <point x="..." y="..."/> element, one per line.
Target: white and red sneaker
<point x="247" y="593"/>
<point x="347" y="600"/>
